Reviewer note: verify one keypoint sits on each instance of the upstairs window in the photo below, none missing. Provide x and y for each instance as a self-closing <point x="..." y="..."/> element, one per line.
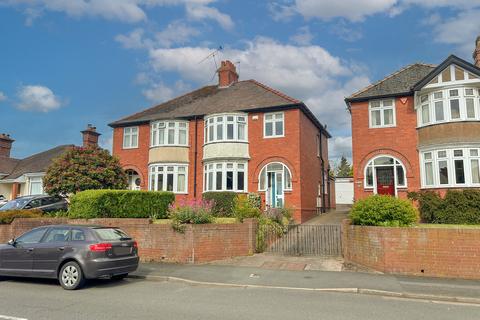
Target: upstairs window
<point x="169" y="133"/>
<point x="228" y="127"/>
<point x="382" y="113"/>
<point x="130" y="137"/>
<point x="273" y="125"/>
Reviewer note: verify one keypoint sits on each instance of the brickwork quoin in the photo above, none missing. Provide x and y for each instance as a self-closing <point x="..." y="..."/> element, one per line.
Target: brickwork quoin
<point x="156" y="242"/>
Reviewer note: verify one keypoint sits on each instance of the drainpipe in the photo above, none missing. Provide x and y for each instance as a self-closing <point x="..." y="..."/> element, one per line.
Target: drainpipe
<point x="195" y="161"/>
<point x="322" y="209"/>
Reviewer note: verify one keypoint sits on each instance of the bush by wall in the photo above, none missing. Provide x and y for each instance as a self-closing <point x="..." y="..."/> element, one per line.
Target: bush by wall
<point x="6" y="217"/>
<point x="120" y="204"/>
<point x="244" y="209"/>
<point x="223" y="202"/>
<point x="384" y="211"/>
<point x="457" y="207"/>
<point x="191" y="212"/>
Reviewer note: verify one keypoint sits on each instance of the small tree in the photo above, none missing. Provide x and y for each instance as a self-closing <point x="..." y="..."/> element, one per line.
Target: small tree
<point x="344" y="169"/>
<point x="81" y="169"/>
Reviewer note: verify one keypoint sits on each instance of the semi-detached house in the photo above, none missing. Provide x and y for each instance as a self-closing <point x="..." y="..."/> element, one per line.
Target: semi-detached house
<point x="239" y="136"/>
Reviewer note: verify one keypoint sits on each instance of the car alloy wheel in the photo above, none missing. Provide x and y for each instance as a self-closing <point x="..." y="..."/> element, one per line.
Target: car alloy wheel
<point x="71" y="276"/>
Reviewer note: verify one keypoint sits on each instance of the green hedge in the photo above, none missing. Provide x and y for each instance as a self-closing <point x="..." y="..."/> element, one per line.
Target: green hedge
<point x="223" y="203"/>
<point x="383" y="211"/>
<point x="6" y="217"/>
<point x="120" y="204"/>
<point x="457" y="207"/>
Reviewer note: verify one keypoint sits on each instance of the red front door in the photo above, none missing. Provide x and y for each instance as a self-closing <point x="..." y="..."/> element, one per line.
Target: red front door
<point x="385" y="181"/>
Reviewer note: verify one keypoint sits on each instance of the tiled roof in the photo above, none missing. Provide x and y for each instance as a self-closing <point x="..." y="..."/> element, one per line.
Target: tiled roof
<point x="399" y="82"/>
<point x="36" y="163"/>
<point x="240" y="96"/>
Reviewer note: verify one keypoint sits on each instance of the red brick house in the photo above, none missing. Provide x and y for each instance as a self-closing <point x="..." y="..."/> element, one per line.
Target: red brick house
<point x="239" y="136"/>
<point x="418" y="129"/>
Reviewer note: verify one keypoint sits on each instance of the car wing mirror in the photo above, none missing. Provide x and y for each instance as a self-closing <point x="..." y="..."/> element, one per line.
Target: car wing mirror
<point x="12" y="242"/>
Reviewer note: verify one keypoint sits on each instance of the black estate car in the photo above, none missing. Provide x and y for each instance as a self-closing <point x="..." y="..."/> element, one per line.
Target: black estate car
<point x="70" y="253"/>
<point x="41" y="202"/>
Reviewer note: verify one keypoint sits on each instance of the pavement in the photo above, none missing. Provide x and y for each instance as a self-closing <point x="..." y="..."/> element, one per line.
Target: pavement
<point x="452" y="290"/>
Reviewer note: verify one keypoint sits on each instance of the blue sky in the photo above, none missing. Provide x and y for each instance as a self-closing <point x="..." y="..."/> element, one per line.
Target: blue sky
<point x="66" y="63"/>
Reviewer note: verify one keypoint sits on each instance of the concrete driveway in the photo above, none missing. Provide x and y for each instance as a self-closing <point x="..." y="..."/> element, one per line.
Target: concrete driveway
<point x="334" y="216"/>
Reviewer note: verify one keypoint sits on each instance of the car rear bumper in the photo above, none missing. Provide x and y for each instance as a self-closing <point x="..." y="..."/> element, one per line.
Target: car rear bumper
<point x="110" y="267"/>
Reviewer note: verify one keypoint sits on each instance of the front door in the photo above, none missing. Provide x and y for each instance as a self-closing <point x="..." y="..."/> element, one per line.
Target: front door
<point x="385" y="181"/>
<point x="275" y="189"/>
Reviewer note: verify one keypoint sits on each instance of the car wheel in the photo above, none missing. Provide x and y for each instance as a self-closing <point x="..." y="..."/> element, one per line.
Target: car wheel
<point x="120" y="276"/>
<point x="71" y="276"/>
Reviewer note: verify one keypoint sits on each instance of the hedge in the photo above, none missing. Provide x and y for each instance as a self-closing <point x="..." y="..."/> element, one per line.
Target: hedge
<point x="385" y="211"/>
<point x="120" y="204"/>
<point x="223" y="202"/>
<point x="457" y="207"/>
<point x="7" y="216"/>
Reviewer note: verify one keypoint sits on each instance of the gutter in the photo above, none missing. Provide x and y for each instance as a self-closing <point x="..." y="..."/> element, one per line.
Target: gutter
<point x="322" y="208"/>
<point x="195" y="160"/>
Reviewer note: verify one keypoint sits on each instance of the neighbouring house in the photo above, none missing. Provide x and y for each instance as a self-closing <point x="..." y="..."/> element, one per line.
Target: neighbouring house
<point x="23" y="177"/>
<point x="418" y="129"/>
<point x="239" y="136"/>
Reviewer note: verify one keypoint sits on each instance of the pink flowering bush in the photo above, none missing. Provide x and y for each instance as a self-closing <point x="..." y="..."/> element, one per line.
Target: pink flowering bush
<point x="191" y="212"/>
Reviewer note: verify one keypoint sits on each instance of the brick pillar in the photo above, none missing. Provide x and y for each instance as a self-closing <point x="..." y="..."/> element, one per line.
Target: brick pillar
<point x="15" y="190"/>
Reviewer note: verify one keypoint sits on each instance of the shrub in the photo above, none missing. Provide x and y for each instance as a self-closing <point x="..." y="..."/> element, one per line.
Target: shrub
<point x="223" y="202"/>
<point x="255" y="200"/>
<point x="243" y="208"/>
<point x="6" y="217"/>
<point x="383" y="211"/>
<point x="457" y="207"/>
<point x="280" y="215"/>
<point x="190" y="212"/>
<point x="268" y="229"/>
<point x="120" y="204"/>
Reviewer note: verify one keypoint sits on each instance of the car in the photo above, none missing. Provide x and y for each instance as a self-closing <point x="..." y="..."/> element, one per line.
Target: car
<point x="42" y="202"/>
<point x="3" y="200"/>
<point x="70" y="253"/>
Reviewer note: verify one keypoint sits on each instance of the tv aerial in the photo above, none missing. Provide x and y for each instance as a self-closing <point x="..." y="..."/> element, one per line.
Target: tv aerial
<point x="212" y="56"/>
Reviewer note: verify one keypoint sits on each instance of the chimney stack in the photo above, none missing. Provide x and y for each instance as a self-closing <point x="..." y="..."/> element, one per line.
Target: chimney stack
<point x="476" y="53"/>
<point x="90" y="136"/>
<point x="227" y="74"/>
<point x="5" y="145"/>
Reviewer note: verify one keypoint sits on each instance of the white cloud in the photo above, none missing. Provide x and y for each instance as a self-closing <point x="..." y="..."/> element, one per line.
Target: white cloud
<point x="3" y="97"/>
<point x="340" y="146"/>
<point x="160" y="92"/>
<point x="303" y="37"/>
<point x="201" y="12"/>
<point x="134" y="40"/>
<point x="37" y="98"/>
<point x="175" y="33"/>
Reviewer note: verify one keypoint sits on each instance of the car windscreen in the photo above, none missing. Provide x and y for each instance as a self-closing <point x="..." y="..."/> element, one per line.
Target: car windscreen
<point x="111" y="234"/>
<point x="15" y="204"/>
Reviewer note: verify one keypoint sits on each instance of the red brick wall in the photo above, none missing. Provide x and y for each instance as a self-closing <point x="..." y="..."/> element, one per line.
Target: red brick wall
<point x="400" y="141"/>
<point x="432" y="252"/>
<point x="199" y="243"/>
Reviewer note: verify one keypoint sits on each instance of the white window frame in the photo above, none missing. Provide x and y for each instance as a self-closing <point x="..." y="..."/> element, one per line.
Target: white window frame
<point x="128" y="137"/>
<point x="211" y="168"/>
<point x="264" y="172"/>
<point x="274" y="122"/>
<point x="213" y="121"/>
<point x="396" y="163"/>
<point x="162" y="168"/>
<point x="165" y="126"/>
<point x="382" y="110"/>
<point x="35" y="180"/>
<point x="450" y="158"/>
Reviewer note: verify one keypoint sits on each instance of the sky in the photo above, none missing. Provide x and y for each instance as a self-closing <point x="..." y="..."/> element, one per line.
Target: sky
<point x="68" y="63"/>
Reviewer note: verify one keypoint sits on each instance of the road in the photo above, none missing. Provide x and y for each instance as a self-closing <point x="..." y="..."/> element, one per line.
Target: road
<point x="142" y="299"/>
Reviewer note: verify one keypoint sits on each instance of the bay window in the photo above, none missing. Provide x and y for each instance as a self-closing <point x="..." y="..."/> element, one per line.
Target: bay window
<point x="227" y="127"/>
<point x="168" y="177"/>
<point x="382" y="113"/>
<point x="225" y="176"/>
<point x="453" y="167"/>
<point x="165" y="133"/>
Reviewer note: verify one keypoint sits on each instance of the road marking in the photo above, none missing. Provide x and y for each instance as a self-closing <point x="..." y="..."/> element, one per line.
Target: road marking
<point x="11" y="318"/>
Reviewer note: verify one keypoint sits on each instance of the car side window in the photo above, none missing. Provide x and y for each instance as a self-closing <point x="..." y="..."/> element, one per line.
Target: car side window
<point x="57" y="235"/>
<point x="35" y="203"/>
<point x="47" y="201"/>
<point x="31" y="237"/>
<point x="77" y="235"/>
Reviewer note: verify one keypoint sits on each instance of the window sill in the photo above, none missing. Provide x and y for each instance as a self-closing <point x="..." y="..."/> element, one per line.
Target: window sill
<point x="226" y="141"/>
<point x="129" y="148"/>
<point x="170" y="145"/>
<point x="273" y="137"/>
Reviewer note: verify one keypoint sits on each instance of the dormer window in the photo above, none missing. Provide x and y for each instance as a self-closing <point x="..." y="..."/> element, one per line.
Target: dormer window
<point x="382" y="113"/>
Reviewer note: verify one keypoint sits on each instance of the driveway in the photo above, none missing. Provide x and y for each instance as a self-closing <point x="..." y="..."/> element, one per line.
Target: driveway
<point x="334" y="216"/>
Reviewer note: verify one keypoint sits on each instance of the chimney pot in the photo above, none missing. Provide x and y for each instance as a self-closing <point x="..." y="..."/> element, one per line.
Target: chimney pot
<point x="5" y="145"/>
<point x="227" y="74"/>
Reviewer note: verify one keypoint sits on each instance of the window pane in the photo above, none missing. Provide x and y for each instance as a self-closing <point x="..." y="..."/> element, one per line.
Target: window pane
<point x="429" y="173"/>
<point x="425" y="114"/>
<point x="369" y="177"/>
<point x="376" y="121"/>
<point x="469" y="92"/>
<point x="263" y="178"/>
<point x="383" y="161"/>
<point x="241" y="131"/>
<point x="210" y="181"/>
<point x="439" y="116"/>
<point x="126" y="140"/>
<point x="219" y="131"/>
<point x="453" y="93"/>
<point x="455" y="108"/>
<point x="210" y="133"/>
<point x="442" y="154"/>
<point x="424" y="98"/>
<point x="268" y="117"/>
<point x="171" y="136"/>
<point x="443" y="171"/>
<point x="240" y="180"/>
<point x="181" y="183"/>
<point x="229" y="180"/>
<point x="470" y="107"/>
<point x="459" y="172"/>
<point x="152" y="182"/>
<point x="182" y="138"/>
<point x="230" y="131"/>
<point x="33" y="236"/>
<point x="288" y="178"/>
<point x="161" y="136"/>
<point x="170" y="182"/>
<point x="268" y="129"/>
<point x="475" y="171"/>
<point x="458" y="153"/>
<point x="135" y="140"/>
<point x="279" y="128"/>
<point x="218" y="184"/>
<point x="474" y="152"/>
<point x="428" y="156"/>
<point x="375" y="104"/>
<point x="160" y="182"/>
<point x="400" y="176"/>
<point x="438" y="95"/>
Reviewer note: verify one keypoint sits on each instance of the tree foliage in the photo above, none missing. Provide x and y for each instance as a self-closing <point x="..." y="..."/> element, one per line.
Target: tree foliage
<point x="344" y="169"/>
<point x="81" y="169"/>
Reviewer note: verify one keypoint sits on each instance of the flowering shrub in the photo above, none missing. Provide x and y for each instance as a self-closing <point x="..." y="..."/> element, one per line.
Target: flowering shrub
<point x="191" y="212"/>
<point x="243" y="208"/>
<point x="279" y="215"/>
<point x="255" y="200"/>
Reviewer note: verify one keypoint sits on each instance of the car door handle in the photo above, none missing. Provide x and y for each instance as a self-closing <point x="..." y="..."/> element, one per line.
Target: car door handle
<point x="61" y="248"/>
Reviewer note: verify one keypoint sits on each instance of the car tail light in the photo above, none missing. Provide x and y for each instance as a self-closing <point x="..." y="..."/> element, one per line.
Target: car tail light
<point x="135" y="244"/>
<point x="100" y="247"/>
